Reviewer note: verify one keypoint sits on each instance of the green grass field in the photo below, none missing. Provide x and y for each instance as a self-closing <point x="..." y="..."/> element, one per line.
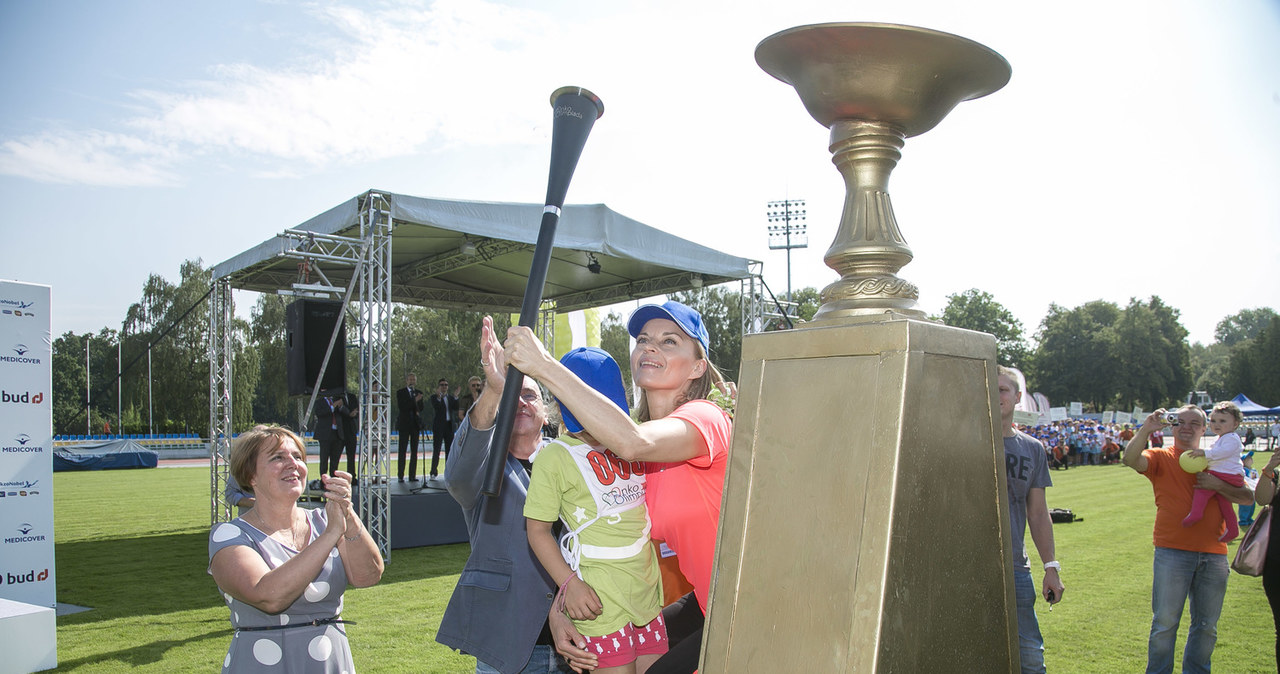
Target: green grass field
<point x="132" y="545"/>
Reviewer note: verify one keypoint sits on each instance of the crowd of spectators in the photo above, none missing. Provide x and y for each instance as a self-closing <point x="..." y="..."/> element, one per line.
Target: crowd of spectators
<point x="1083" y="442"/>
<point x="1089" y="442"/>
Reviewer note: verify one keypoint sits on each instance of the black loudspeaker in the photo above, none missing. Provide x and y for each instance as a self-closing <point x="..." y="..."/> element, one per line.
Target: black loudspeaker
<point x="308" y="326"/>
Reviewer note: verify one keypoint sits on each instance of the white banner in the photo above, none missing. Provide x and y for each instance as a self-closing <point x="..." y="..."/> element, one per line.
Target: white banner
<point x="1026" y="418"/>
<point x="1077" y="409"/>
<point x="1058" y="413"/>
<point x="26" y="445"/>
<point x="1123" y="418"/>
<point x="1108" y="416"/>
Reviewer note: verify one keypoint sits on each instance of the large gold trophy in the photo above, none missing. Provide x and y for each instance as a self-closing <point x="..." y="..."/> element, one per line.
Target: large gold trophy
<point x="865" y="525"/>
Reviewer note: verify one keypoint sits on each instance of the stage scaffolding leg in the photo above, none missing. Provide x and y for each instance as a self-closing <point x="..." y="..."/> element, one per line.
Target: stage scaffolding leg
<point x="545" y="328"/>
<point x="220" y="358"/>
<point x="374" y="330"/>
<point x="752" y="298"/>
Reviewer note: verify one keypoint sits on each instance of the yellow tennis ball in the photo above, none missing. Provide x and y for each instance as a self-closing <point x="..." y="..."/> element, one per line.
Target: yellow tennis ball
<point x="1192" y="464"/>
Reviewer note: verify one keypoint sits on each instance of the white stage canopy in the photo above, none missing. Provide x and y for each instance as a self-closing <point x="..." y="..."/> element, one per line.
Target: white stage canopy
<point x="475" y="255"/>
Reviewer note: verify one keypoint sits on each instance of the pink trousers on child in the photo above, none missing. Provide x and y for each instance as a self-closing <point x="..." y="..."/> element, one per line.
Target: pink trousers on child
<point x="1201" y="498"/>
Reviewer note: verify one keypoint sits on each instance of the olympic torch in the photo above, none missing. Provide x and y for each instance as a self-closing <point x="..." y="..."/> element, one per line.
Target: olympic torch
<point x="576" y="111"/>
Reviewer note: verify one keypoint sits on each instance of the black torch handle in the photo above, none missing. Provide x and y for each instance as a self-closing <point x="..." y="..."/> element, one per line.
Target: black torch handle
<point x="576" y="111"/>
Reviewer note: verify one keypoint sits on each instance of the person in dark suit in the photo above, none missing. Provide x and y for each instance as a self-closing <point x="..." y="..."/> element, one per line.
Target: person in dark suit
<point x="409" y="424"/>
<point x="444" y="408"/>
<point x="350" y="429"/>
<point x="329" y="411"/>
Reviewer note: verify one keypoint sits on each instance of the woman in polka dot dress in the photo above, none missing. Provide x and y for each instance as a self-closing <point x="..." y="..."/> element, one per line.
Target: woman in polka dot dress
<point x="282" y="569"/>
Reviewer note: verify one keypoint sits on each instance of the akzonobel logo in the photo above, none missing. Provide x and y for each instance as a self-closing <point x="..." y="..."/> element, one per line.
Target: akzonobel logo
<point x="12" y="307"/>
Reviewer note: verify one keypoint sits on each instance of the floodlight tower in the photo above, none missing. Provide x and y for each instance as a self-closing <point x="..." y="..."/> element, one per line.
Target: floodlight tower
<point x="791" y="233"/>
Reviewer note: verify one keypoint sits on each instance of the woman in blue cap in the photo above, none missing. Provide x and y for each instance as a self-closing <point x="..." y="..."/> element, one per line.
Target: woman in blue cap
<point x="681" y="435"/>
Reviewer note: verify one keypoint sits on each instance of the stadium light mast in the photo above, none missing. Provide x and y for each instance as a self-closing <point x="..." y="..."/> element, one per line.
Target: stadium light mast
<point x="791" y="233"/>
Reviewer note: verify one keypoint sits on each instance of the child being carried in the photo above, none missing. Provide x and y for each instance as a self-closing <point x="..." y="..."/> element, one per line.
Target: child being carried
<point x="610" y="583"/>
<point x="1224" y="463"/>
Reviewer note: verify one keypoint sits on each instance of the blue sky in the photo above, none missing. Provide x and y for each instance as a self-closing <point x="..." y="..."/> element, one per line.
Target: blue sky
<point x="1134" y="152"/>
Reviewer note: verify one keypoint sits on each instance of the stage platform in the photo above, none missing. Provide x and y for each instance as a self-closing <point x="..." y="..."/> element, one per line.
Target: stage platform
<point x="423" y="513"/>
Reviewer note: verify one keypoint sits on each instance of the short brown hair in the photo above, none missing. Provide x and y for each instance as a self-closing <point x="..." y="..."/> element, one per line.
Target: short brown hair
<point x="247" y="447"/>
<point x="1204" y="418"/>
<point x="1231" y="409"/>
<point x="1012" y="374"/>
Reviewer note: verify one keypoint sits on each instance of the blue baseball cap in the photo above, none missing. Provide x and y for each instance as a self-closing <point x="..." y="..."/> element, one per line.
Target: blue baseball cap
<point x="689" y="320"/>
<point x="595" y="367"/>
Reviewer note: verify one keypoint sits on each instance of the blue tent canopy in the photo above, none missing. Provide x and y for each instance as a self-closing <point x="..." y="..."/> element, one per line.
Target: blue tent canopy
<point x="1250" y="408"/>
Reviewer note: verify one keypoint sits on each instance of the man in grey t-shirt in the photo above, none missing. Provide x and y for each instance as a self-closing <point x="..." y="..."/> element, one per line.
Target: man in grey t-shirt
<point x="1026" y="475"/>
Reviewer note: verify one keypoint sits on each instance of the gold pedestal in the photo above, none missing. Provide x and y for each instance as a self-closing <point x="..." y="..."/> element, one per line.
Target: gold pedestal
<point x="865" y="524"/>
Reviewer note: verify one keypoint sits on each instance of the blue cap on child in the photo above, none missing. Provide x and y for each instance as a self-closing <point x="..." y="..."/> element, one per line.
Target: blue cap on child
<point x="597" y="369"/>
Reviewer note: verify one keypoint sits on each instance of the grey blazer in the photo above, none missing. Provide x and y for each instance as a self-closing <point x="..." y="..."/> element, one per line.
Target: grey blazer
<point x="503" y="596"/>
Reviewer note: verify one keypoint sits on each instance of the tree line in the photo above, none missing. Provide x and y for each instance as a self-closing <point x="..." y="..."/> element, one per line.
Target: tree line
<point x="1097" y="353"/>
<point x="1112" y="357"/>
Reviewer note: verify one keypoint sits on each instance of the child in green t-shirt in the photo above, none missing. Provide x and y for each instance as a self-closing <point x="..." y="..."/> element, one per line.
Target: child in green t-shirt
<point x="610" y="584"/>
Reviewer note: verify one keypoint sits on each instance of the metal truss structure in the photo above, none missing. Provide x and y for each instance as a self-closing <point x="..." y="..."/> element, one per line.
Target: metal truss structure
<point x="373" y="326"/>
<point x="370" y="255"/>
<point x="545" y="325"/>
<point x="220" y="356"/>
<point x="761" y="311"/>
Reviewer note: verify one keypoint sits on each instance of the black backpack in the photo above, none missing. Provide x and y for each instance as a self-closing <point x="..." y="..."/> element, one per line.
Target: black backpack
<point x="1063" y="515"/>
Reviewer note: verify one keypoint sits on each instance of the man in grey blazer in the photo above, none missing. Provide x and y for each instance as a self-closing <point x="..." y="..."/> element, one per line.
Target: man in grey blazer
<point x="498" y="611"/>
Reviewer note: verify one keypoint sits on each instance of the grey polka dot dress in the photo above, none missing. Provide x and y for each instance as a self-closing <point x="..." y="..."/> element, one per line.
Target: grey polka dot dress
<point x="291" y="645"/>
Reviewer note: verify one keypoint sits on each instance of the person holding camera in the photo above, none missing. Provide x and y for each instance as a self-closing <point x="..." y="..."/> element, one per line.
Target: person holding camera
<point x="1188" y="561"/>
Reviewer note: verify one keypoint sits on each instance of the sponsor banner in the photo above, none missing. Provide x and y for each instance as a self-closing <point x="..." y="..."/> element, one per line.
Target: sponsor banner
<point x="1026" y="418"/>
<point x="18" y="353"/>
<point x="27" y="571"/>
<point x="23" y="443"/>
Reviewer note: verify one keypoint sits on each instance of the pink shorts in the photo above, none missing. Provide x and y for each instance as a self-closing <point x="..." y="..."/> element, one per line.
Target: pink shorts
<point x="628" y="643"/>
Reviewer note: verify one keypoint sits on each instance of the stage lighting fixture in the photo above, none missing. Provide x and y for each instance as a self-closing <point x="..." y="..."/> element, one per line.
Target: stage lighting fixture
<point x="593" y="265"/>
<point x="468" y="248"/>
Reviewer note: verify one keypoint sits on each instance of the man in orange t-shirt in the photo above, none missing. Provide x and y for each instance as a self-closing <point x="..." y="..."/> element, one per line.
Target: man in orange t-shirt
<point x="1188" y="561"/>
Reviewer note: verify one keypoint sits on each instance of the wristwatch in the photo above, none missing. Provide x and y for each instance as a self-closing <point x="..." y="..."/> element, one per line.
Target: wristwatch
<point x="1053" y="565"/>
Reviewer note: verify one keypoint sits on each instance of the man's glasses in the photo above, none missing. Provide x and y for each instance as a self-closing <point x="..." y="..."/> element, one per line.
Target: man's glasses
<point x="530" y="397"/>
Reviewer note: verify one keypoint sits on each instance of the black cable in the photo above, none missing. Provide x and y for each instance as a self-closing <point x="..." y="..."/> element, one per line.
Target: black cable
<point x="133" y="362"/>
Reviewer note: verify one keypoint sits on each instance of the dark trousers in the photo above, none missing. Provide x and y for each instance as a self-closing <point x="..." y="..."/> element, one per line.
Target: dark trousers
<point x="351" y="457"/>
<point x="440" y="436"/>
<point x="684" y="621"/>
<point x="408" y="439"/>
<point x="330" y="452"/>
